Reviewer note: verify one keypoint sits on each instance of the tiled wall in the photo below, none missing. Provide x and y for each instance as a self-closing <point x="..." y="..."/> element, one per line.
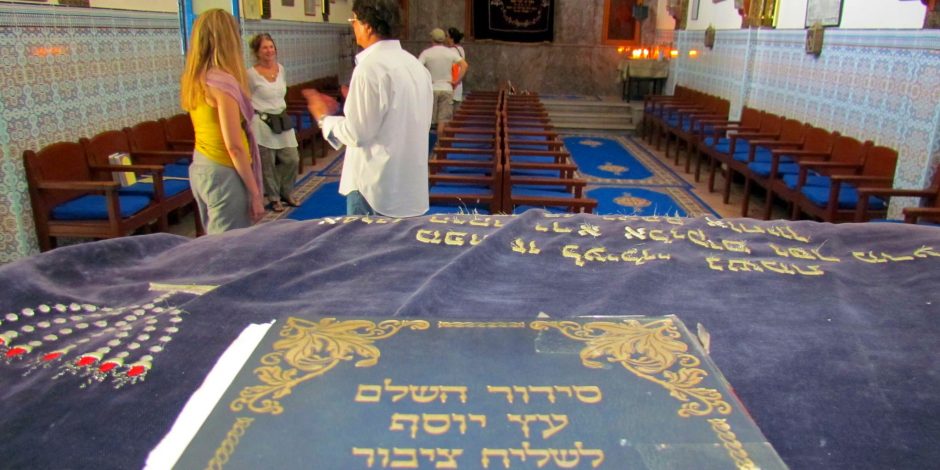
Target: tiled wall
<point x="67" y="73"/>
<point x="869" y="84"/>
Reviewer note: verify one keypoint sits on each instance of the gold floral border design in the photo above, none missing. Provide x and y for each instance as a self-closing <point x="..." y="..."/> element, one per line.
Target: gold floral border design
<point x="732" y="444"/>
<point x="310" y="349"/>
<point x="228" y="445"/>
<point x="649" y="351"/>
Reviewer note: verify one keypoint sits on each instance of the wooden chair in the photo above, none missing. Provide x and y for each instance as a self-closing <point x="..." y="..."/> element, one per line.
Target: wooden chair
<point x="176" y="193"/>
<point x="68" y="202"/>
<point x="928" y="209"/>
<point x="179" y="132"/>
<point x="792" y="135"/>
<point x="736" y="159"/>
<point x="846" y="155"/>
<point x="816" y="143"/>
<point x="833" y="195"/>
<point x="721" y="140"/>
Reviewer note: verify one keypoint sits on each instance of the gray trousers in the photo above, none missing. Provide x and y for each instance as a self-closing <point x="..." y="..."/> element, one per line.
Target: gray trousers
<point x="220" y="195"/>
<point x="279" y="167"/>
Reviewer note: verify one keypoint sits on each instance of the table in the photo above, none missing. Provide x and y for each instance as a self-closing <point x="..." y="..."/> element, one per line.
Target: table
<point x="642" y="74"/>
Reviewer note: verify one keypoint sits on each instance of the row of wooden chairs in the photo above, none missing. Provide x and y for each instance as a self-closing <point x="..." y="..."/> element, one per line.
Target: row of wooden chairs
<point x="500" y="154"/>
<point x="74" y="194"/>
<point x="816" y="172"/>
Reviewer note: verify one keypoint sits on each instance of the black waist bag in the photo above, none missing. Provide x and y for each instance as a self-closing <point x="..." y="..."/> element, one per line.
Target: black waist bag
<point x="277" y="122"/>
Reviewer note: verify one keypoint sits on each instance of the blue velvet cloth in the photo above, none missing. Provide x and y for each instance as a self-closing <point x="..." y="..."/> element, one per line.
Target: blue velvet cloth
<point x="95" y="207"/>
<point x="836" y="362"/>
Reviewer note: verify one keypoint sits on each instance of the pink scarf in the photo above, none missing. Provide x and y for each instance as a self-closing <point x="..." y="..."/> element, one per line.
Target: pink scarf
<point x="227" y="83"/>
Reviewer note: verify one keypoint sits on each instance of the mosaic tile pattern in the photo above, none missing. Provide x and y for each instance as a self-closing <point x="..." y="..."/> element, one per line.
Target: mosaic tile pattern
<point x="877" y="85"/>
<point x="307" y="50"/>
<point x="67" y="73"/>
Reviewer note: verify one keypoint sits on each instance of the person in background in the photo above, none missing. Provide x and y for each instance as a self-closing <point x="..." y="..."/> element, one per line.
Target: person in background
<point x="386" y="118"/>
<point x="454" y="36"/>
<point x="440" y="59"/>
<point x="273" y="128"/>
<point x="226" y="172"/>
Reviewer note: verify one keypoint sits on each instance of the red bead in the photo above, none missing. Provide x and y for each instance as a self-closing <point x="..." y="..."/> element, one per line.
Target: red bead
<point x="136" y="370"/>
<point x="85" y="360"/>
<point x="51" y="356"/>
<point x="15" y="352"/>
<point x="107" y="366"/>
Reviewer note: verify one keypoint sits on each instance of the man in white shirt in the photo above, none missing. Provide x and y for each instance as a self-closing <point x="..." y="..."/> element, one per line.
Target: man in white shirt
<point x="440" y="60"/>
<point x="387" y="117"/>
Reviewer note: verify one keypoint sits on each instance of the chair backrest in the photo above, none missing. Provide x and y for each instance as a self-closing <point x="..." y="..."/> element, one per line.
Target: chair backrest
<point x="147" y="135"/>
<point x="770" y="123"/>
<point x="792" y="130"/>
<point x="179" y="127"/>
<point x="99" y="147"/>
<point x="817" y="139"/>
<point x="880" y="161"/>
<point x="846" y="149"/>
<point x="751" y="117"/>
<point x="61" y="161"/>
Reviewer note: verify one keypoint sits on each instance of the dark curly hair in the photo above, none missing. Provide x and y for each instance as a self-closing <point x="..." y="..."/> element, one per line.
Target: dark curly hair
<point x="255" y="43"/>
<point x="455" y="34"/>
<point x="383" y="16"/>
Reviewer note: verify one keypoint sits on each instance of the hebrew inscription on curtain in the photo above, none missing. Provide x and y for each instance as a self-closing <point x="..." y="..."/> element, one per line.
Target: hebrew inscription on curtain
<point x="514" y="20"/>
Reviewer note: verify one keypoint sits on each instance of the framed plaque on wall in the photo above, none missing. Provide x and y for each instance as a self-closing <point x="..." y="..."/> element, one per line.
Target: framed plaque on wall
<point x="825" y="12"/>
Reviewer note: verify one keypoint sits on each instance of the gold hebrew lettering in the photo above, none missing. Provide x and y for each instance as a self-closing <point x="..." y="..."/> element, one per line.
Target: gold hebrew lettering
<point x="476" y="239"/>
<point x="596" y="454"/>
<point x="385" y="455"/>
<point x="558" y="228"/>
<point x="555" y="424"/>
<point x="439" y="219"/>
<point x="631" y="233"/>
<point x="369" y="454"/>
<point x="589" y="230"/>
<point x="523" y="421"/>
<point x="743" y="265"/>
<point x="401" y="390"/>
<point x="541" y="455"/>
<point x="589" y="394"/>
<point x="424" y="393"/>
<point x="451" y="456"/>
<point x="811" y="270"/>
<point x="777" y="267"/>
<point x="455" y="238"/>
<point x="400" y="419"/>
<point x="501" y="389"/>
<point x="518" y="245"/>
<point x="521" y="390"/>
<point x="540" y="228"/>
<point x="821" y="257"/>
<point x="410" y="458"/>
<point x="458" y="389"/>
<point x="569" y="251"/>
<point x="896" y="258"/>
<point x="368" y="394"/>
<point x="596" y="254"/>
<point x="677" y="234"/>
<point x="564" y="389"/>
<point x="714" y="263"/>
<point x="486" y="454"/>
<point x="564" y="458"/>
<point x="926" y="251"/>
<point x="547" y="390"/>
<point x="429" y="236"/>
<point x="736" y="246"/>
<point x="481" y="419"/>
<point x="435" y="424"/>
<point x="660" y="236"/>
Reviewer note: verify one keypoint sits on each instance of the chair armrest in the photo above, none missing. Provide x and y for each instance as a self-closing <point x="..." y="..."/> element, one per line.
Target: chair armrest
<point x="79" y="185"/>
<point x="857" y="179"/>
<point x="913" y="214"/>
<point x="831" y="165"/>
<point x="137" y="169"/>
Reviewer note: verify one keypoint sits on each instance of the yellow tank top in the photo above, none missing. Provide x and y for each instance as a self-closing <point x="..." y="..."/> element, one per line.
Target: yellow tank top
<point x="209" y="141"/>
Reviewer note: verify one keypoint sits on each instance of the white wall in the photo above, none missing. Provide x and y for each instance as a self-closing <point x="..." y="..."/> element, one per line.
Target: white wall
<point x="882" y="14"/>
<point x="664" y="21"/>
<point x="719" y="15"/>
<point x="856" y="14"/>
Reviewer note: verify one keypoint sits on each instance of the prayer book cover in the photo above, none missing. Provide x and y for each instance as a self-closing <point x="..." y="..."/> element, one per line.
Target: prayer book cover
<point x="373" y="393"/>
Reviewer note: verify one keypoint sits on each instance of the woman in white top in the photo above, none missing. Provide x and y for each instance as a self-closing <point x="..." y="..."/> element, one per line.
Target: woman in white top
<point x="279" y="155"/>
<point x="453" y="38"/>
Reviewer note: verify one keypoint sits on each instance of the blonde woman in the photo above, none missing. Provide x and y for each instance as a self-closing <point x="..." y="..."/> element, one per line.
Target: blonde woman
<point x="271" y="125"/>
<point x="226" y="171"/>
